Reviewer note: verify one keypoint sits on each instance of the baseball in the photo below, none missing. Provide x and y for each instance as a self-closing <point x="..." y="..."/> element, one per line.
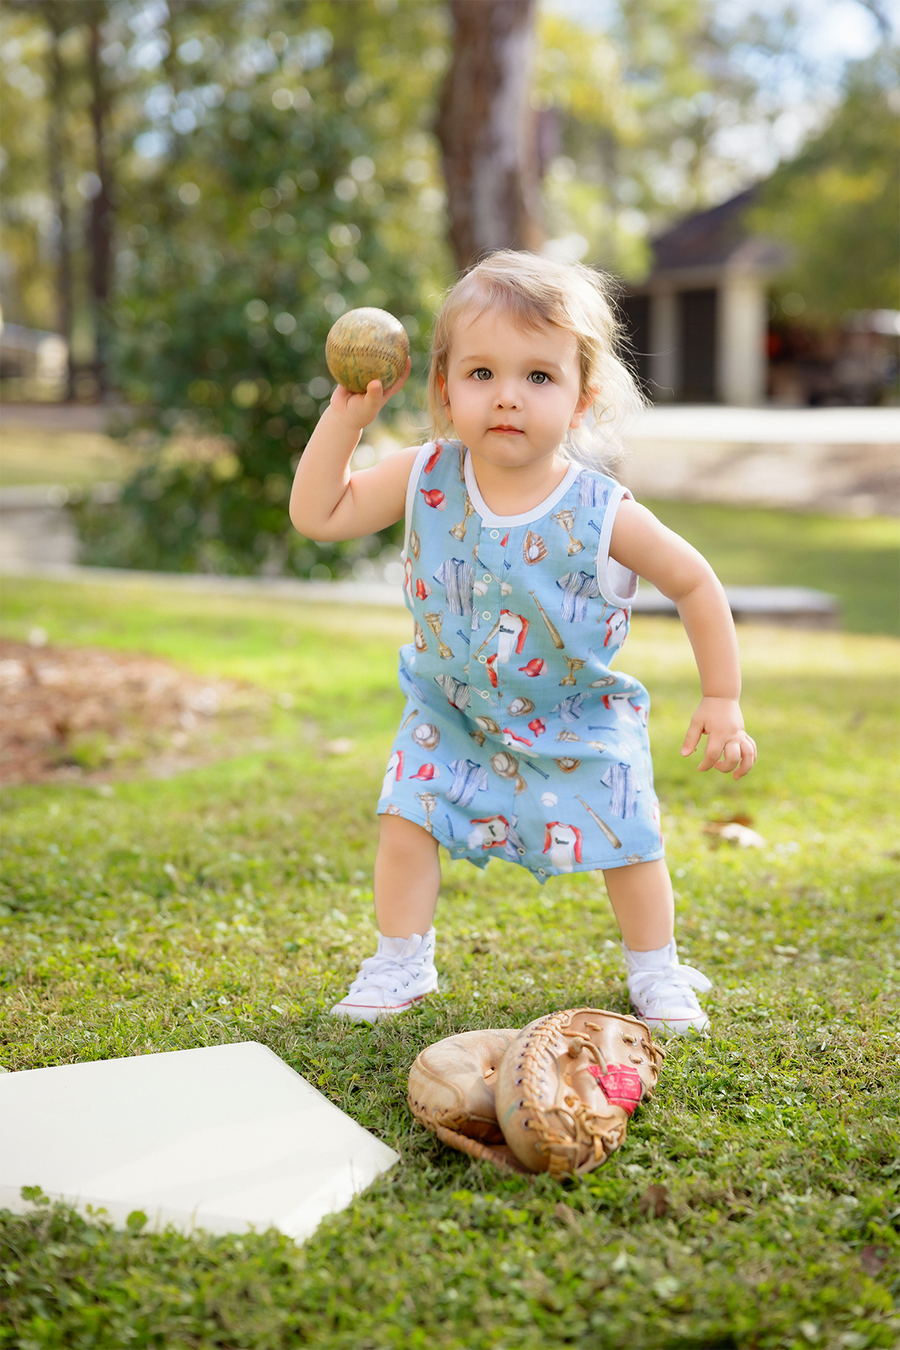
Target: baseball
<point x="364" y="345"/>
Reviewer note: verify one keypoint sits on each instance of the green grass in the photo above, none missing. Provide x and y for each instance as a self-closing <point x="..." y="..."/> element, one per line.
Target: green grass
<point x="856" y="560"/>
<point x="233" y="903"/>
<point x="76" y="459"/>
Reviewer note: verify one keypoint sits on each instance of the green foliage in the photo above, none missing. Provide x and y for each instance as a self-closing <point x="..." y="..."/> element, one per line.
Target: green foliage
<point x="27" y="285"/>
<point x="639" y="105"/>
<point x="244" y="910"/>
<point x="276" y="202"/>
<point x="232" y="338"/>
<point x="837" y="204"/>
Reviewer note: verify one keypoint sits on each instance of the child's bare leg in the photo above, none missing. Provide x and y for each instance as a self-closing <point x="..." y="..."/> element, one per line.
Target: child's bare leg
<point x="402" y="971"/>
<point x="641" y="897"/>
<point x="407" y="878"/>
<point x="660" y="987"/>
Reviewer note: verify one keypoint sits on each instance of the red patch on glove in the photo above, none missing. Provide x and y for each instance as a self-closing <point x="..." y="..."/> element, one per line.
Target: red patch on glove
<point x="621" y="1085"/>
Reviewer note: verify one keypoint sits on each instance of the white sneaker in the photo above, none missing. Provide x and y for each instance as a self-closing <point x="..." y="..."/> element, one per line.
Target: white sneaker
<point x="399" y="975"/>
<point x="662" y="990"/>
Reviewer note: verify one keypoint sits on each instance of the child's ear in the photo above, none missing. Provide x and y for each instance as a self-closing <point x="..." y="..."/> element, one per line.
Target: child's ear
<point x="587" y="400"/>
<point x="445" y="397"/>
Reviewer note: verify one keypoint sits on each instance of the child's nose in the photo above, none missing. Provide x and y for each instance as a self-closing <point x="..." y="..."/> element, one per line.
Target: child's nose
<point x="506" y="394"/>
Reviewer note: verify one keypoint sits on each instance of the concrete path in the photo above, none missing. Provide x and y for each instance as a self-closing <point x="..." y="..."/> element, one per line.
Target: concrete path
<point x="784" y="426"/>
<point x="792" y="606"/>
<point x="840" y="461"/>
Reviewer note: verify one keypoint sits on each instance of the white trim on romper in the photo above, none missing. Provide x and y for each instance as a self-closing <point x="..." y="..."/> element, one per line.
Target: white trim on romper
<point x="415" y="473"/>
<point x="618" y="584"/>
<point x="489" y="517"/>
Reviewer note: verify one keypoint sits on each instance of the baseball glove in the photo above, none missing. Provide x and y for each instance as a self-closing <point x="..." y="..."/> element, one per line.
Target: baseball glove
<point x="568" y="1084"/>
<point x="451" y="1091"/>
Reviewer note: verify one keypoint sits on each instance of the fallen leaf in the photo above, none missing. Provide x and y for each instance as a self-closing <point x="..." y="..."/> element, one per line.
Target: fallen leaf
<point x="654" y="1203"/>
<point x="566" y="1214"/>
<point x="734" y="833"/>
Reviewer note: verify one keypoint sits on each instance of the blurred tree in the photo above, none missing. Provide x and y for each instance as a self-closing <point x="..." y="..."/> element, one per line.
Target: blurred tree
<point x="59" y="104"/>
<point x="485" y="125"/>
<point x="31" y="57"/>
<point x="633" y="115"/>
<point x="838" y="202"/>
<point x="100" y="191"/>
<point x="56" y="173"/>
<point x="285" y="176"/>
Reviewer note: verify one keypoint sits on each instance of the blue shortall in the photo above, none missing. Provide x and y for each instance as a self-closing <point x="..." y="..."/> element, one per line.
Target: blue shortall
<point x="517" y="740"/>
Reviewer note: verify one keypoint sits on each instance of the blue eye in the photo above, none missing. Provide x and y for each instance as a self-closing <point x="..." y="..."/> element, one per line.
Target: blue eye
<point x="482" y="373"/>
<point x="538" y="377"/>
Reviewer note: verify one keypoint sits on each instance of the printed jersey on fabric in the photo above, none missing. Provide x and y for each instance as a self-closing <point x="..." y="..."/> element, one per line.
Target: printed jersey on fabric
<point x="517" y="740"/>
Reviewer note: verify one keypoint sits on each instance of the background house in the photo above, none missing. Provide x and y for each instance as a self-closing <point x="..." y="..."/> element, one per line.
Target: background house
<point x="699" y="322"/>
<point x="705" y="329"/>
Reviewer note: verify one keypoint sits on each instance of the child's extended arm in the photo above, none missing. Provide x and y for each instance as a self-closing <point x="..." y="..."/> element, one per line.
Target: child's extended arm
<point x="644" y="545"/>
<point x="327" y="500"/>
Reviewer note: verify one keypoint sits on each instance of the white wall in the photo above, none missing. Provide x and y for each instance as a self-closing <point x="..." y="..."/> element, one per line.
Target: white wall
<point x="742" y="322"/>
<point x="665" y="366"/>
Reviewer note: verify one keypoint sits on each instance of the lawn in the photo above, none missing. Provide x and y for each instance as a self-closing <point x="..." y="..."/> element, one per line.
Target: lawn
<point x="233" y="903"/>
<point x="858" y="560"/>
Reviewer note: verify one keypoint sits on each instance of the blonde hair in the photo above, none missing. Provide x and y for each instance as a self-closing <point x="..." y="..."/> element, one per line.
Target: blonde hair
<point x="537" y="292"/>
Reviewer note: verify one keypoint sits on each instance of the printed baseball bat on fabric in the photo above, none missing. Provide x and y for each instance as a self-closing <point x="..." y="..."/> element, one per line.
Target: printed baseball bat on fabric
<point x="613" y="838"/>
<point x="557" y="640"/>
<point x="493" y="633"/>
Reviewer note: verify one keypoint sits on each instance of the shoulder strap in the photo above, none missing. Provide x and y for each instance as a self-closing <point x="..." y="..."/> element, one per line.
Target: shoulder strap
<point x="618" y="585"/>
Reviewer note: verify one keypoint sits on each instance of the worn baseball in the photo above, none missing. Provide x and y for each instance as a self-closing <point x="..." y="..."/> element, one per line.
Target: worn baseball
<point x="364" y="345"/>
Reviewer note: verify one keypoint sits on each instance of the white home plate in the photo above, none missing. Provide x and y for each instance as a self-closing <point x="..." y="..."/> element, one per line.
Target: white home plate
<point x="225" y="1138"/>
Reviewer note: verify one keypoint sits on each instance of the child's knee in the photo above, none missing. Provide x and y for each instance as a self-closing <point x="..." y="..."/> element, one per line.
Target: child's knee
<point x="396" y="832"/>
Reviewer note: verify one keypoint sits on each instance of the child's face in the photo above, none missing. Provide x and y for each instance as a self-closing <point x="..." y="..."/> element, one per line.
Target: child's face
<point x="512" y="393"/>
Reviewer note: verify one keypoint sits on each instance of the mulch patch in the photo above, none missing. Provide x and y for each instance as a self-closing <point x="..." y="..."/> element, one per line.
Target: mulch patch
<point x="88" y="714"/>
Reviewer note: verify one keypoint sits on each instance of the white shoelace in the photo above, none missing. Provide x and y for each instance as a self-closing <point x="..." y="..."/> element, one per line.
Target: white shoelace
<point x="381" y="972"/>
<point x="667" y="985"/>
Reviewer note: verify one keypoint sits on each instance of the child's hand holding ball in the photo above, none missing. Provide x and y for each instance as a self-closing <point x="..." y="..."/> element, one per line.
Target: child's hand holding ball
<point x="366" y="345"/>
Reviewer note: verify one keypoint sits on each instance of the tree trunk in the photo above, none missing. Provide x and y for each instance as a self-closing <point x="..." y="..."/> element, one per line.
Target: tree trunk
<point x="101" y="216"/>
<point x="55" y="160"/>
<point x="485" y="126"/>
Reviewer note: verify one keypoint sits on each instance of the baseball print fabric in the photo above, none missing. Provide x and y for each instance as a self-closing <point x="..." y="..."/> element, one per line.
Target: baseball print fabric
<point x="518" y="741"/>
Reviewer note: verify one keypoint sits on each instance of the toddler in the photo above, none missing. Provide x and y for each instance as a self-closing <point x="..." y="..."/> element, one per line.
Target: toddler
<point x="521" y="559"/>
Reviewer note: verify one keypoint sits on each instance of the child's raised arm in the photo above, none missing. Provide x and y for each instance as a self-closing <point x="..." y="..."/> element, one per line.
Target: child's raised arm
<point x="644" y="545"/>
<point x="327" y="500"/>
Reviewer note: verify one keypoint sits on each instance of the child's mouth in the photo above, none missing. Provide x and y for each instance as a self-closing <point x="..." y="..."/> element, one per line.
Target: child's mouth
<point x="506" y="431"/>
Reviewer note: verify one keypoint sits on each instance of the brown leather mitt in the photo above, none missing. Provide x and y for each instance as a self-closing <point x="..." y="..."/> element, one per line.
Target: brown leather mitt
<point x="451" y="1091"/>
<point x="567" y="1085"/>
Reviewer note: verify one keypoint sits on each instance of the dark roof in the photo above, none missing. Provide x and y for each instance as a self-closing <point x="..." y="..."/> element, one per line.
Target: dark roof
<point x="716" y="236"/>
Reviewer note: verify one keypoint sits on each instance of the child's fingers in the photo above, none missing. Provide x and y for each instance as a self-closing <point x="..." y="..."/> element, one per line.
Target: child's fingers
<point x="694" y="732"/>
<point x="714" y="748"/>
<point x="730" y="758"/>
<point x="748" y="757"/>
<point x="398" y="384"/>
